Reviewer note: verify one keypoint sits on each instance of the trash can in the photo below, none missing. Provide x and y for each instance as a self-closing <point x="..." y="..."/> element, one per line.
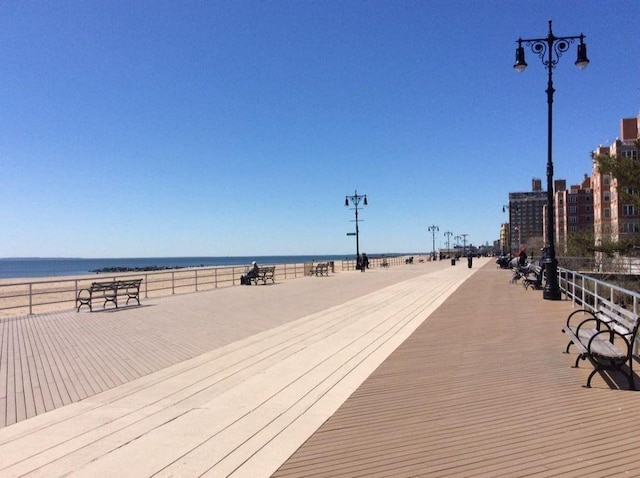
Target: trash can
<point x="470" y="261"/>
<point x="453" y="261"/>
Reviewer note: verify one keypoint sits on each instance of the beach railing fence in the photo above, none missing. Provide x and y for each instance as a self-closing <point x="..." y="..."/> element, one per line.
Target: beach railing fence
<point x="46" y="295"/>
<point x="377" y="261"/>
<point x="17" y="298"/>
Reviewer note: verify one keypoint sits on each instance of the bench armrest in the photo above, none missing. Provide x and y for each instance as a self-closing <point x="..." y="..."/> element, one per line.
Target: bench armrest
<point x="581" y="311"/>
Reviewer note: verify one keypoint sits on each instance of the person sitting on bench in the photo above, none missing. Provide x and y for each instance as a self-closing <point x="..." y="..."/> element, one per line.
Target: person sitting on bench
<point x="253" y="272"/>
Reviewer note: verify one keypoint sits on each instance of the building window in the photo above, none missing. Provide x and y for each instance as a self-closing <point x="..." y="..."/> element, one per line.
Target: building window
<point x="607" y="213"/>
<point x="606" y="197"/>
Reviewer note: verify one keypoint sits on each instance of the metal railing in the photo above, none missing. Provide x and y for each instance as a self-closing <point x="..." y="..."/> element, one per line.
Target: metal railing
<point x="57" y="294"/>
<point x="18" y="298"/>
<point x="374" y="262"/>
<point x="586" y="291"/>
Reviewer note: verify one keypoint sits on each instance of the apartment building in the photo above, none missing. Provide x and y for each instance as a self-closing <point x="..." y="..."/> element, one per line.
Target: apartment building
<point x="525" y="215"/>
<point x="573" y="210"/>
<point x="614" y="219"/>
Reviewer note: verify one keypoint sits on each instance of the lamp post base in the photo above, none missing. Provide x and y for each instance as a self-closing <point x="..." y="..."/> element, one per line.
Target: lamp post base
<point x="551" y="290"/>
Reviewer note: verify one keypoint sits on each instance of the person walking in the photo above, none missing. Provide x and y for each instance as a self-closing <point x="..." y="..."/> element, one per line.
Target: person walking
<point x="364" y="264"/>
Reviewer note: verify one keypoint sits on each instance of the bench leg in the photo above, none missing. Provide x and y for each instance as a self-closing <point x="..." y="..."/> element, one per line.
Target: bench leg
<point x="83" y="302"/>
<point x="595" y="370"/>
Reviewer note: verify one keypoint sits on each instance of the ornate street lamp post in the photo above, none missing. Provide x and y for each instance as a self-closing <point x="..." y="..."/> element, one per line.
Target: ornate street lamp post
<point x="464" y="244"/>
<point x="433" y="229"/>
<point x="448" y="235"/>
<point x="355" y="200"/>
<point x="550" y="49"/>
<point x="508" y="241"/>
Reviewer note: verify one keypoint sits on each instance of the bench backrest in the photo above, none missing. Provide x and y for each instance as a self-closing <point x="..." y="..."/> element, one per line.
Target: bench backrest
<point x="620" y="319"/>
<point x="100" y="286"/>
<point x="114" y="285"/>
<point x="130" y="283"/>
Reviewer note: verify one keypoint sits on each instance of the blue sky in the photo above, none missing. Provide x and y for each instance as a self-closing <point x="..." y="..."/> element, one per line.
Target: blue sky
<point x="213" y="128"/>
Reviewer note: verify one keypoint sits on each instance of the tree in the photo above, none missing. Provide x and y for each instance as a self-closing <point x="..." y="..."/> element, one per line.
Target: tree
<point x="580" y="244"/>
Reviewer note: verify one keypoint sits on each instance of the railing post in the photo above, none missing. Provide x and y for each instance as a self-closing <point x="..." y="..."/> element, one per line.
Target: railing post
<point x="173" y="282"/>
<point x="30" y="298"/>
<point x="196" y="273"/>
<point x="146" y="282"/>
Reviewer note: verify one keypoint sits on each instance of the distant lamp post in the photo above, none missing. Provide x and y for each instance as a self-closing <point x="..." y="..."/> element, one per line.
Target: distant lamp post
<point x="355" y="200"/>
<point x="464" y="244"/>
<point x="448" y="235"/>
<point x="433" y="229"/>
<point x="508" y="241"/>
<point x="551" y="47"/>
<point x="457" y="239"/>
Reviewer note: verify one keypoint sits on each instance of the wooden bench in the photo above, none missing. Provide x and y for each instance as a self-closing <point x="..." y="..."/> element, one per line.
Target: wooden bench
<point x="409" y="260"/>
<point x="534" y="282"/>
<point x="320" y="269"/>
<point x="264" y="274"/>
<point x="606" y="337"/>
<point x="109" y="292"/>
<point x="384" y="263"/>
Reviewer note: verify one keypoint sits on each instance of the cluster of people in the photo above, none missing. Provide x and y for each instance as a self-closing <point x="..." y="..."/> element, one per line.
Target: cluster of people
<point x="362" y="262"/>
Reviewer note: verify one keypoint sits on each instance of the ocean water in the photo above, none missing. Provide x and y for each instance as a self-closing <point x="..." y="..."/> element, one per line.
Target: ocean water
<point x="52" y="267"/>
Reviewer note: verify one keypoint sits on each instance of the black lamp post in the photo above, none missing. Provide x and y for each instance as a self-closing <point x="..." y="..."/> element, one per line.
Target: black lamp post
<point x="504" y="208"/>
<point x="550" y="49"/>
<point x="464" y="244"/>
<point x="448" y="234"/>
<point x="355" y="200"/>
<point x="433" y="229"/>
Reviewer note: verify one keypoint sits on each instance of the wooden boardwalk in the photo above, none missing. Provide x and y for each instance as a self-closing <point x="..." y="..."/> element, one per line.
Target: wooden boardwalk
<point x="424" y="370"/>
